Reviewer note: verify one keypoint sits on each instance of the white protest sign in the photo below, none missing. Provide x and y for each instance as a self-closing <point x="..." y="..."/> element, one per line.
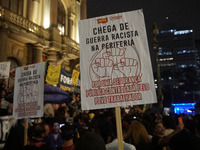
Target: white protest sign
<point x="29" y="91"/>
<point x="4" y="70"/>
<point x="115" y="61"/>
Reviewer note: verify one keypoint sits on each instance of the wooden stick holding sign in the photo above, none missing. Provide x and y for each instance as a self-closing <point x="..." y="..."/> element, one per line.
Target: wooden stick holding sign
<point x="116" y="72"/>
<point x="119" y="128"/>
<point x="25" y="131"/>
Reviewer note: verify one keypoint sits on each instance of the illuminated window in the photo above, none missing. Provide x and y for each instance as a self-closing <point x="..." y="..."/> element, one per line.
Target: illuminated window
<point x="168" y="31"/>
<point x="165" y="53"/>
<point x="183" y="66"/>
<point x="182" y="32"/>
<point x="61" y="18"/>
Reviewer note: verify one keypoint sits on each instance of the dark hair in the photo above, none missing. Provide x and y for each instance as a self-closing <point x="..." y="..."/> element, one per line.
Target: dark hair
<point x="60" y="112"/>
<point x="90" y="141"/>
<point x="2" y="89"/>
<point x="154" y="124"/>
<point x="56" y="120"/>
<point x="36" y="130"/>
<point x="68" y="132"/>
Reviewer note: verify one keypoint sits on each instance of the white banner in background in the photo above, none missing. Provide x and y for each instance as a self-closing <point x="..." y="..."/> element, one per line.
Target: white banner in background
<point x="4" y="70"/>
<point x="29" y="91"/>
<point x="115" y="62"/>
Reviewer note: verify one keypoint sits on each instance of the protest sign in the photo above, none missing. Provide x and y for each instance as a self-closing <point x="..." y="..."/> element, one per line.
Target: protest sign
<point x="115" y="61"/>
<point x="29" y="91"/>
<point x="4" y="70"/>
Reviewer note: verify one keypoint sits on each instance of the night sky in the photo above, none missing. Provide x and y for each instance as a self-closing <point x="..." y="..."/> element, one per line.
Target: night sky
<point x="175" y="12"/>
<point x="180" y="13"/>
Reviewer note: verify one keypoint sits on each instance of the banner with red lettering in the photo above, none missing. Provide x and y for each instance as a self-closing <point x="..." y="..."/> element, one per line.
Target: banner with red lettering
<point x="29" y="91"/>
<point x="115" y="61"/>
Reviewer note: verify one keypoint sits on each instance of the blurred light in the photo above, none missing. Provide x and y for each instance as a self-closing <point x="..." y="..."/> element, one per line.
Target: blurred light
<point x="182" y="104"/>
<point x="182" y="32"/>
<point x="183" y="108"/>
<point x="61" y="29"/>
<point x="46" y="22"/>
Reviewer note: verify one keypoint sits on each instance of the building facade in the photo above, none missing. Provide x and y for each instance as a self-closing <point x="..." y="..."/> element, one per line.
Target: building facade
<point x="179" y="65"/>
<point x="33" y="31"/>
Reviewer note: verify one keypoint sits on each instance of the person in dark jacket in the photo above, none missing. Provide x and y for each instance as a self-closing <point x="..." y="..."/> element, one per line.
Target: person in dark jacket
<point x="54" y="140"/>
<point x="36" y="134"/>
<point x="15" y="138"/>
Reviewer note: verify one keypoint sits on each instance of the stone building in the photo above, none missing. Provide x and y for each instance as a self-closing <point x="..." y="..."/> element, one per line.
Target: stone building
<point x="33" y="31"/>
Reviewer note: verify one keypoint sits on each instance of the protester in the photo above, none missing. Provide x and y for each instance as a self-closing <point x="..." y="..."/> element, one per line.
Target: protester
<point x="169" y="123"/>
<point x="37" y="134"/>
<point x="47" y="131"/>
<point x="68" y="133"/>
<point x="15" y="140"/>
<point x="90" y="141"/>
<point x="61" y="114"/>
<point x="48" y="110"/>
<point x="55" y="141"/>
<point x="136" y="133"/>
<point x="159" y="139"/>
<point x="138" y="136"/>
<point x="114" y="144"/>
<point x="184" y="140"/>
<point x="3" y="103"/>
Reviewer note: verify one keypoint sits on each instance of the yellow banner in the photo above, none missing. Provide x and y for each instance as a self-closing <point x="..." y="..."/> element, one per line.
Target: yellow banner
<point x="53" y="74"/>
<point x="75" y="76"/>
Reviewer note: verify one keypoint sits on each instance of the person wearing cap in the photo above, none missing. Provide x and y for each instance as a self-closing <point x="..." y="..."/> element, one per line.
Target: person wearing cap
<point x="67" y="134"/>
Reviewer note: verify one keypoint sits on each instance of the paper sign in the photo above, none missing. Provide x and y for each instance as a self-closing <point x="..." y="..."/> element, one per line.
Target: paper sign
<point x="4" y="70"/>
<point x="29" y="91"/>
<point x="115" y="62"/>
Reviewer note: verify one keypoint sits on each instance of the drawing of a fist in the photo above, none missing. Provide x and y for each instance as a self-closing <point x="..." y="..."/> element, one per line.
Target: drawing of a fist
<point x="102" y="67"/>
<point x="128" y="66"/>
<point x="114" y="62"/>
<point x="114" y="54"/>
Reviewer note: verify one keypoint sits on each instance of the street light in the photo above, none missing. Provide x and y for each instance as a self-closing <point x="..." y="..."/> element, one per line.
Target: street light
<point x="155" y="48"/>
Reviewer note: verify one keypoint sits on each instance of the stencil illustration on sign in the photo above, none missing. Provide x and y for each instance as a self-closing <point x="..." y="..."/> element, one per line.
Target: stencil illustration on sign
<point x="28" y="93"/>
<point x="111" y="62"/>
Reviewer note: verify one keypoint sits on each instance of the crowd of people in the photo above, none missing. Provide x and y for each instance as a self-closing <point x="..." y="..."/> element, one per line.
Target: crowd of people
<point x="69" y="128"/>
